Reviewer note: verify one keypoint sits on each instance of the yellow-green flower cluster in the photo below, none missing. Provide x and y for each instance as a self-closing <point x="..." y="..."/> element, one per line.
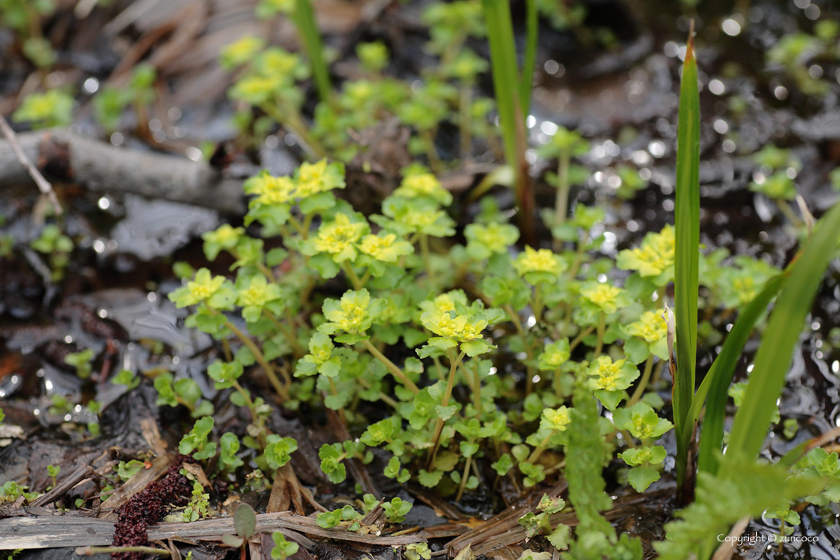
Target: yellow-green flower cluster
<point x="609" y="379"/>
<point x="423" y="185"/>
<point x="385" y="248"/>
<point x="650" y="327"/>
<point x="339" y="237"/>
<point x="314" y="178"/>
<point x="555" y="419"/>
<point x="539" y="265"/>
<point x="462" y="328"/>
<point x="603" y="297"/>
<point x="353" y="314"/>
<point x="491" y="239"/>
<point x="654" y="257"/>
<point x="205" y="288"/>
<point x="274" y="196"/>
<point x="240" y="51"/>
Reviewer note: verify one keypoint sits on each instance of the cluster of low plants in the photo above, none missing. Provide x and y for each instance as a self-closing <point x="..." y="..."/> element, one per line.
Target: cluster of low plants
<point x="457" y="355"/>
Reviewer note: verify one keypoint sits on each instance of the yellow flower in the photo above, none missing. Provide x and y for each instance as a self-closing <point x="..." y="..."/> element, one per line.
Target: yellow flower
<point x="240" y="51"/>
<point x="451" y="325"/>
<point x="654" y="256"/>
<point x="603" y="296"/>
<point x="423" y="184"/>
<point x="338" y="237"/>
<point x="555" y="419"/>
<point x="542" y="260"/>
<point x="609" y="373"/>
<point x="444" y="302"/>
<point x="385" y="249"/>
<point x="270" y="190"/>
<point x="650" y="327"/>
<point x="314" y="178"/>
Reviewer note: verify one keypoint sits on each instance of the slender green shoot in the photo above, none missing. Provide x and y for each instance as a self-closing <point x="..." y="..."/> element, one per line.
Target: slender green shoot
<point x="783" y="330"/>
<point x="687" y="259"/>
<point x="509" y="87"/>
<point x="310" y="38"/>
<point x="720" y="375"/>
<point x="532" y="23"/>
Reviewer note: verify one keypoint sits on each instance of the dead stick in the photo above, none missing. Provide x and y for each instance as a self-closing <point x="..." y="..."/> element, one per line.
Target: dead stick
<point x="43" y="185"/>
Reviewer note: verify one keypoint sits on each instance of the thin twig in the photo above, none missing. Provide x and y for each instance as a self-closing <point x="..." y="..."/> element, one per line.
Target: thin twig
<point x="43" y="185"/>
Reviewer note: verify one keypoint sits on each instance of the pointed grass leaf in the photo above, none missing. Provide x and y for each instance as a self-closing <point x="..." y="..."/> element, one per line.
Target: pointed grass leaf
<point x="687" y="256"/>
<point x="781" y="335"/>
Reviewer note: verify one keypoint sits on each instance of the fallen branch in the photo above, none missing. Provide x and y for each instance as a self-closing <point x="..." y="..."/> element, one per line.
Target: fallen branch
<point x="54" y="531"/>
<point x="43" y="185"/>
<point x="101" y="167"/>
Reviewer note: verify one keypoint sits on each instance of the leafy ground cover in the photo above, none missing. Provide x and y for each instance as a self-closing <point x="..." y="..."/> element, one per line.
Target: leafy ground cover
<point x="369" y="338"/>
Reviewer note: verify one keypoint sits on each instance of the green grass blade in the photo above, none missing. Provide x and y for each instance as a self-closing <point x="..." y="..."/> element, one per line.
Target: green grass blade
<point x="720" y="376"/>
<point x="774" y="355"/>
<point x="687" y="259"/>
<point x="310" y="38"/>
<point x="505" y="72"/>
<point x="532" y="23"/>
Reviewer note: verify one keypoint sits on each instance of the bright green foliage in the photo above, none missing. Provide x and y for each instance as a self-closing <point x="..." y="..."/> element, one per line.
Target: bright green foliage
<point x="352" y="315"/>
<point x="344" y="516"/>
<point x="110" y="103"/>
<point x="393" y="470"/>
<point x="641" y="421"/>
<point x="491" y="239"/>
<point x="332" y="455"/>
<point x="820" y="463"/>
<point x="610" y="379"/>
<point x="655" y="257"/>
<point x="127" y="378"/>
<point x="742" y="487"/>
<point x="195" y="442"/>
<point x="540" y="524"/>
<point x="217" y="292"/>
<point x="418" y="551"/>
<point x="128" y="470"/>
<point x="555" y="355"/>
<point x="396" y="510"/>
<point x="228" y="446"/>
<point x="53" y="471"/>
<point x="594" y="536"/>
<point x="80" y="362"/>
<point x="44" y="110"/>
<point x="279" y="450"/>
<point x="282" y="548"/>
<point x="58" y="246"/>
<point x="777" y="186"/>
<point x="199" y="504"/>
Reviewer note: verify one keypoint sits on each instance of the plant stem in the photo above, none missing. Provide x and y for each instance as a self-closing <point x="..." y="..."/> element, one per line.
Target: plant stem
<point x="539" y="449"/>
<point x="464" y="478"/>
<point x="290" y="336"/>
<point x="258" y="356"/>
<point x="382" y="396"/>
<point x="427" y="257"/>
<point x="431" y="150"/>
<point x="351" y="275"/>
<point x="602" y="325"/>
<point x="310" y="37"/>
<point x="450" y="382"/>
<point x="561" y="203"/>
<point x="538" y="306"/>
<point x="788" y="212"/>
<point x="395" y="371"/>
<point x="637" y="394"/>
<point x="583" y="334"/>
<point x="334" y="391"/>
<point x="465" y="120"/>
<point x="514" y="318"/>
